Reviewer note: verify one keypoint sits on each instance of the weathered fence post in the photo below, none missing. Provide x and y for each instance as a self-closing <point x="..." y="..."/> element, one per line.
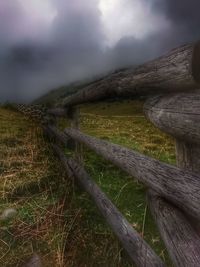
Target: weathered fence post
<point x="188" y="155"/>
<point x="179" y="116"/>
<point x="180" y="237"/>
<point x="73" y="113"/>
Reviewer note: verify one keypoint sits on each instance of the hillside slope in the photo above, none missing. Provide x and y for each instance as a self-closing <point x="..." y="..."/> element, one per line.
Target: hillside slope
<point x="55" y="96"/>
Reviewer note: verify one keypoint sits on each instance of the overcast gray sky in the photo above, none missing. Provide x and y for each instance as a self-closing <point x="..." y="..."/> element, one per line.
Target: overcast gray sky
<point x="48" y="43"/>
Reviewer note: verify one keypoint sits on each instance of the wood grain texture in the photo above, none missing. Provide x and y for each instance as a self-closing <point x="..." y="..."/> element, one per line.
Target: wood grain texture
<point x="179" y="70"/>
<point x="138" y="250"/>
<point x="188" y="156"/>
<point x="181" y="240"/>
<point x="176" y="114"/>
<point x="177" y="185"/>
<point x="179" y="116"/>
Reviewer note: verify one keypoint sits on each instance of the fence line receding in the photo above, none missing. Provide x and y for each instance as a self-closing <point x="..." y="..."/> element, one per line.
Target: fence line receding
<point x="173" y="105"/>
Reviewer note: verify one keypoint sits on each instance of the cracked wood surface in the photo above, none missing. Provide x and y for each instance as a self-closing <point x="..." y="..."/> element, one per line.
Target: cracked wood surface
<point x="174" y="72"/>
<point x="180" y="238"/>
<point x="177" y="185"/>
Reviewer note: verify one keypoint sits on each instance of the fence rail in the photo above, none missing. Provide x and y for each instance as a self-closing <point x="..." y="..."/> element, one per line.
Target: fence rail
<point x="173" y="191"/>
<point x="177" y="71"/>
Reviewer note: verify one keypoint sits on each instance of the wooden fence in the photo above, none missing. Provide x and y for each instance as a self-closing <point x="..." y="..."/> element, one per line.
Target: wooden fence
<point x="173" y="105"/>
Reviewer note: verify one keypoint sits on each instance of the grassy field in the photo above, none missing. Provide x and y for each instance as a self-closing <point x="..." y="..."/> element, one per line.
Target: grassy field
<point x="55" y="219"/>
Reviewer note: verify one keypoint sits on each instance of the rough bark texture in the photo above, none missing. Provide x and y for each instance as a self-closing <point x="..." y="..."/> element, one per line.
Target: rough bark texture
<point x="138" y="250"/>
<point x="179" y="186"/>
<point x="177" y="115"/>
<point x="188" y="156"/>
<point x="177" y="71"/>
<point x="180" y="238"/>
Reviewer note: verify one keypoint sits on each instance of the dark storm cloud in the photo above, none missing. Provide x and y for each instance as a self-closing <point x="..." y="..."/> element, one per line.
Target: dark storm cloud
<point x="184" y="18"/>
<point x="184" y="15"/>
<point x="71" y="49"/>
<point x="182" y="12"/>
<point x="32" y="60"/>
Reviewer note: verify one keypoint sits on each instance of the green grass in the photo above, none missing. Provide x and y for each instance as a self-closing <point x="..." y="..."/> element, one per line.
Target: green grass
<point x="58" y="220"/>
<point x="124" y="123"/>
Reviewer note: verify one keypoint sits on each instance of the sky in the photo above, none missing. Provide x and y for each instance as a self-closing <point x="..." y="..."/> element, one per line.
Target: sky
<point x="50" y="43"/>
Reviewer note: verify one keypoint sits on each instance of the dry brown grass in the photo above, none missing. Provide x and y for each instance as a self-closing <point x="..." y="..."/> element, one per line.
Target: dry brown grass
<point x="20" y="151"/>
<point x="29" y="175"/>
